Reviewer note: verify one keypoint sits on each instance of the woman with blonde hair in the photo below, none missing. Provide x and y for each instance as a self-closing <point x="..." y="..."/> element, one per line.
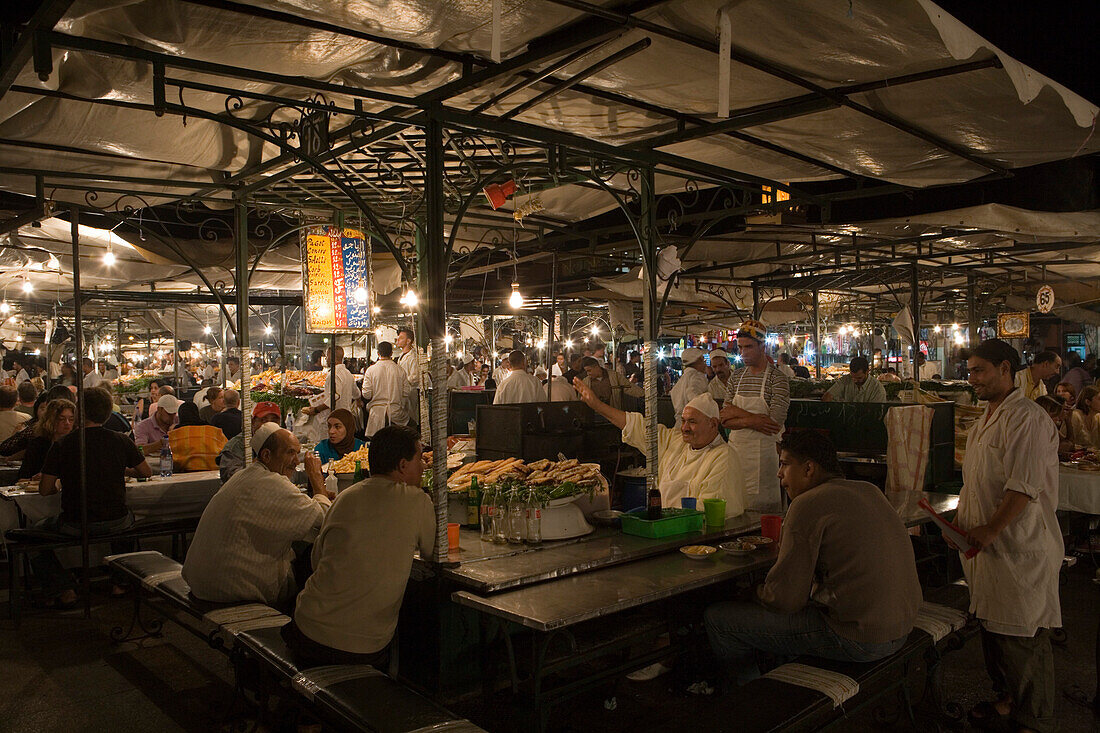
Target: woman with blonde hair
<point x="56" y="422"/>
<point x="1083" y="421"/>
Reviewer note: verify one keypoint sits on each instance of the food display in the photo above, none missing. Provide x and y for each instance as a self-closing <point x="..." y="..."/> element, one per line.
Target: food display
<point x="545" y="473"/>
<point x="290" y="390"/>
<point x="134" y="383"/>
<point x="347" y="463"/>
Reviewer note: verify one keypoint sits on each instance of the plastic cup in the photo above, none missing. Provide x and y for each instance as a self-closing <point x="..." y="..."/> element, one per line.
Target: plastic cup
<point x="687" y="502"/>
<point x="715" y="512"/>
<point x="452" y="535"/>
<point x="771" y="525"/>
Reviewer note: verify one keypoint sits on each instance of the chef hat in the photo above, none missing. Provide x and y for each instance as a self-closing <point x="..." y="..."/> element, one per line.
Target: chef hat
<point x="261" y="436"/>
<point x="467" y="359"/>
<point x="690" y="356"/>
<point x="705" y="404"/>
<point x="719" y="352"/>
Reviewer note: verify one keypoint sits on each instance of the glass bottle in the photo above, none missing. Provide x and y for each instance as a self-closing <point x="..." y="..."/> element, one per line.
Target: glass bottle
<point x="534" y="520"/>
<point x="500" y="510"/>
<point x="472" y="500"/>
<point x="487" y="500"/>
<point x="358" y="470"/>
<point x="515" y="525"/>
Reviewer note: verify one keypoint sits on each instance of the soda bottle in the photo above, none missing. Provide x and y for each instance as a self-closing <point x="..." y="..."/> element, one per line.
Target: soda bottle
<point x="534" y="521"/>
<point x="487" y="514"/>
<point x="165" y="459"/>
<point x="358" y="470"/>
<point x="500" y="509"/>
<point x="472" y="502"/>
<point x="653" y="504"/>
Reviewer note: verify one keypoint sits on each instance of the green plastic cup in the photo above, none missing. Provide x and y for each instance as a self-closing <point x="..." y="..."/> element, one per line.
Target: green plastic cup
<point x="715" y="512"/>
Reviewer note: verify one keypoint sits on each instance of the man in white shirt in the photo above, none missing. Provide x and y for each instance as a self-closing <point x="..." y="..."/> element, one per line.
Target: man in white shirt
<point x="691" y="384"/>
<point x="91" y="378"/>
<point x="463" y="377"/>
<point x="1032" y="379"/>
<point x="11" y="420"/>
<point x="347" y="393"/>
<point x="519" y="386"/>
<point x="233" y="370"/>
<point x="241" y="551"/>
<point x="720" y="365"/>
<point x="347" y="612"/>
<point x="559" y="369"/>
<point x="386" y="389"/>
<point x="409" y="360"/>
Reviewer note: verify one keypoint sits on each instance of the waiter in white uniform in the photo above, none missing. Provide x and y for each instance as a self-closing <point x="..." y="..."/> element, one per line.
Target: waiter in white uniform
<point x="409" y="360"/>
<point x="463" y="377"/>
<point x="1007" y="508"/>
<point x="386" y="389"/>
<point x="691" y="384"/>
<point x="755" y="413"/>
<point x="347" y="396"/>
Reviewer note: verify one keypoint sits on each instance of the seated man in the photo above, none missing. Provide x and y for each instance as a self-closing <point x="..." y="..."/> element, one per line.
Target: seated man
<point x="348" y="610"/>
<point x="856" y="386"/>
<point x="151" y="433"/>
<point x="109" y="458"/>
<point x="845" y="584"/>
<point x="693" y="460"/>
<point x="231" y="459"/>
<point x="195" y="445"/>
<point x="242" y="547"/>
<point x="229" y="420"/>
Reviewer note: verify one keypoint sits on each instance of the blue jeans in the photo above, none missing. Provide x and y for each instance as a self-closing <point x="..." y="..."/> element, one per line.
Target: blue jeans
<point x="51" y="574"/>
<point x="737" y="631"/>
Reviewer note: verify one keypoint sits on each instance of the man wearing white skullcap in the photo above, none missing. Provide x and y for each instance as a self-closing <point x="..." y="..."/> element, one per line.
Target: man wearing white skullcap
<point x="691" y="384"/>
<point x="692" y="461"/>
<point x="241" y="551"/>
<point x="720" y="365"/>
<point x="463" y="377"/>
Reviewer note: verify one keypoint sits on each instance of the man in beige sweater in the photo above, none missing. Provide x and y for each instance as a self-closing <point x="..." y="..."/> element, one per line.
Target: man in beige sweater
<point x="347" y="612"/>
<point x="845" y="583"/>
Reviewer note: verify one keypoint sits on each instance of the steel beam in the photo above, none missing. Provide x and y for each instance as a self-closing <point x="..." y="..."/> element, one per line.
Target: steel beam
<point x="44" y="19"/>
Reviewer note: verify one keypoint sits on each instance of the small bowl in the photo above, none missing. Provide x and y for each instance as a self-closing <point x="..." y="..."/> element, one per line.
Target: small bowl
<point x="737" y="548"/>
<point x="608" y="517"/>
<point x="757" y="540"/>
<point x="698" y="552"/>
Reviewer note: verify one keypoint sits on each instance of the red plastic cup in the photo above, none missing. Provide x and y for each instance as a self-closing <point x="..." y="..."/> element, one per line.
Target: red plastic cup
<point x="770" y="526"/>
<point x="452" y="536"/>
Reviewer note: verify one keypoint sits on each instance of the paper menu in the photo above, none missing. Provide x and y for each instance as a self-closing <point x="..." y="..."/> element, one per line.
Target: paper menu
<point x="950" y="531"/>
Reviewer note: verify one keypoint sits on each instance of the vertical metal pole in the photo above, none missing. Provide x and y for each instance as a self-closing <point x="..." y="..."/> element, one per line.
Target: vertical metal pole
<point x="282" y="333"/>
<point x="650" y="319"/>
<point x="819" y="351"/>
<point x="224" y="323"/>
<point x="176" y="346"/>
<point x="972" y="325"/>
<point x="914" y="306"/>
<point x="755" y="300"/>
<point x="78" y="338"/>
<point x="871" y="350"/>
<point x="550" y="331"/>
<point x="118" y="347"/>
<point x="433" y="310"/>
<point x="240" y="241"/>
<point x="302" y="335"/>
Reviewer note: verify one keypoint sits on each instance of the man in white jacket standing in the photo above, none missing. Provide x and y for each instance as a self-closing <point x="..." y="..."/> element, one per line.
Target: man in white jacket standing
<point x="1007" y="509"/>
<point x="386" y="388"/>
<point x="691" y="384"/>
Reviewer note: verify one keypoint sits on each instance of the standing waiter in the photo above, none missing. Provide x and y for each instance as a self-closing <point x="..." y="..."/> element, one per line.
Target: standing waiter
<point x="1007" y="508"/>
<point x="755" y="411"/>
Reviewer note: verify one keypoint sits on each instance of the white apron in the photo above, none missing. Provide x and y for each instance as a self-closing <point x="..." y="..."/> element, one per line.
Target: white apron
<point x="1014" y="582"/>
<point x="759" y="459"/>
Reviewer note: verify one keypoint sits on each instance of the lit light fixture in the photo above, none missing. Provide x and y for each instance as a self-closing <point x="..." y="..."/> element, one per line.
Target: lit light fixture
<point x="842" y="330"/>
<point x="19" y="337"/>
<point x="448" y="338"/>
<point x="325" y="340"/>
<point x="269" y="330"/>
<point x="376" y="309"/>
<point x="515" y="299"/>
<point x="937" y="329"/>
<point x="53" y="263"/>
<point x="567" y="345"/>
<point x="27" y="286"/>
<point x="541" y="344"/>
<point x="959" y="339"/>
<point x="109" y="257"/>
<point x="361" y="295"/>
<point x="954" y="327"/>
<point x="459" y="354"/>
<point x="205" y="329"/>
<point x="218" y="353"/>
<point x="410" y="298"/>
<point x="37" y="352"/>
<point x="595" y="330"/>
<point x="5" y="307"/>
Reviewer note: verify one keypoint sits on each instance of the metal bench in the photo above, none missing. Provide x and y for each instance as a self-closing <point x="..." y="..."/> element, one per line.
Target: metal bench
<point x="346" y="697"/>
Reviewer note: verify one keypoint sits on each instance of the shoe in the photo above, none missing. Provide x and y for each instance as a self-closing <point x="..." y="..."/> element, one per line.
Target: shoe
<point x="652" y="672"/>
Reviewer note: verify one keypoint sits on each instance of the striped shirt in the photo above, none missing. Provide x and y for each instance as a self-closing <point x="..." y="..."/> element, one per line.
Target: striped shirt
<point x="777" y="392"/>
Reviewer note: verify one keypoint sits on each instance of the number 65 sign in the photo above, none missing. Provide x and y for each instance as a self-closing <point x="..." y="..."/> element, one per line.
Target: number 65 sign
<point x="1044" y="299"/>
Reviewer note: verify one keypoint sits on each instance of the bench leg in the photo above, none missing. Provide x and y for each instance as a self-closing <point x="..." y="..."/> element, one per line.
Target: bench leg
<point x="13" y="586"/>
<point x="152" y="628"/>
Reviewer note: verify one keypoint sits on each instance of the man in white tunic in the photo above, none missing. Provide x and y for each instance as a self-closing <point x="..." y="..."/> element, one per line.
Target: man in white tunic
<point x="241" y="551"/>
<point x="519" y="386"/>
<point x="409" y="360"/>
<point x="692" y="461"/>
<point x="1007" y="508"/>
<point x="347" y="395"/>
<point x="691" y="384"/>
<point x="463" y="377"/>
<point x="386" y="389"/>
<point x="720" y="365"/>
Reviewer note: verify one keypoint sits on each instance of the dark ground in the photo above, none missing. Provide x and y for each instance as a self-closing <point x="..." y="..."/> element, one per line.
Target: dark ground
<point x="59" y="672"/>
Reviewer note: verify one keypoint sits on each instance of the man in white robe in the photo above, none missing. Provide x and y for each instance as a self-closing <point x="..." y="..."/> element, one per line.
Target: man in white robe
<point x="1007" y="509"/>
<point x="520" y="386"/>
<point x="347" y="396"/>
<point x="463" y="377"/>
<point x="386" y="388"/>
<point x="691" y="384"/>
<point x="692" y="461"/>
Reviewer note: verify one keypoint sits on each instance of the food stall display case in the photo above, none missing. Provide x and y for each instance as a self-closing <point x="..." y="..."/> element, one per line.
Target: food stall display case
<point x="537" y="430"/>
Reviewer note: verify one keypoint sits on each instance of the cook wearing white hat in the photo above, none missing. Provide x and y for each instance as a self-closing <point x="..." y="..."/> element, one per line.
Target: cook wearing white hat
<point x="691" y="384"/>
<point x="693" y="461"/>
<point x="463" y="377"/>
<point x="720" y="365"/>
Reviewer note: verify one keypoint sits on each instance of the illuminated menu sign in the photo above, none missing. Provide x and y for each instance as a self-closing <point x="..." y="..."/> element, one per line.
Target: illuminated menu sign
<point x="334" y="280"/>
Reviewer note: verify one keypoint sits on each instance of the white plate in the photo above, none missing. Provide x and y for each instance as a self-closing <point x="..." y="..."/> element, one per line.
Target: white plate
<point x="710" y="552"/>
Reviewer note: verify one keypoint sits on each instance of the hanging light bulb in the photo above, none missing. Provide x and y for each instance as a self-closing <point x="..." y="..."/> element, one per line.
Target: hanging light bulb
<point x="269" y="330"/>
<point x="376" y="309"/>
<point x="27" y="286"/>
<point x="361" y="295"/>
<point x="109" y="256"/>
<point x="410" y="299"/>
<point x="595" y="330"/>
<point x="5" y="307"/>
<point x="937" y="329"/>
<point x="516" y="298"/>
<point x="954" y="327"/>
<point x="205" y="329"/>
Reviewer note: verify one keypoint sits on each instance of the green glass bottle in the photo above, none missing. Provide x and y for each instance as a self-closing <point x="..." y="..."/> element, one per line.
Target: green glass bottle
<point x="358" y="470"/>
<point x="473" y="503"/>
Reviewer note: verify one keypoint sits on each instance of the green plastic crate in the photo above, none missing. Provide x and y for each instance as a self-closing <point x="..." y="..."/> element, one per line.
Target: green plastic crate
<point x="672" y="522"/>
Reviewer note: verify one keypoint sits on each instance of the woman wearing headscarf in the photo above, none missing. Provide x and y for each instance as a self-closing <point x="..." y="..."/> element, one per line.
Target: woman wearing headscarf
<point x="195" y="445"/>
<point x="341" y="438"/>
